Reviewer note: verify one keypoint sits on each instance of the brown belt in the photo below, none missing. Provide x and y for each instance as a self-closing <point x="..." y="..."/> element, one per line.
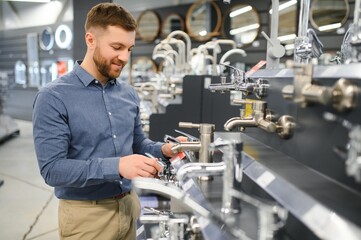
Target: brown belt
<point x="119" y="196"/>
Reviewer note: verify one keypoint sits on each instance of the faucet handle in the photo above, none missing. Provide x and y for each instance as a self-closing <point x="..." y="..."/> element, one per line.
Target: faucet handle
<point x="276" y="50"/>
<point x="202" y="127"/>
<point x="188" y="125"/>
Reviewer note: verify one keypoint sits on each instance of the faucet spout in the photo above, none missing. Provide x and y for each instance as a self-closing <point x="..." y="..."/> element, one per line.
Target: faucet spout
<point x="240" y="122"/>
<point x="190" y="170"/>
<point x="230" y="53"/>
<point x="186" y="146"/>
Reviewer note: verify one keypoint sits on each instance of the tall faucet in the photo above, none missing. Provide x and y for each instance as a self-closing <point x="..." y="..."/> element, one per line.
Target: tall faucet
<point x="181" y="52"/>
<point x="206" y="137"/>
<point x="230" y="168"/>
<point x="274" y="49"/>
<point x="271" y="216"/>
<point x="201" y="55"/>
<point x="307" y="44"/>
<point x="216" y="46"/>
<point x="188" y="47"/>
<point x="354" y="43"/>
<point x="232" y="174"/>
<point x="230" y="53"/>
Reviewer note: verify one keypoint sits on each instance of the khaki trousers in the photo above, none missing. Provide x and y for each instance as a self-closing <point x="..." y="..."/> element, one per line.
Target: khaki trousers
<point x="107" y="219"/>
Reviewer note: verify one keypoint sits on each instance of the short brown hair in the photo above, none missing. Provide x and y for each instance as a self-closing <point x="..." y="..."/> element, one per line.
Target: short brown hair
<point x="110" y="14"/>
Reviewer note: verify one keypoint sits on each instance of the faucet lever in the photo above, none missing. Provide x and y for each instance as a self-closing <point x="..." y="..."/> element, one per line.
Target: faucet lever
<point x="190" y="137"/>
<point x="276" y="50"/>
<point x="188" y="125"/>
<point x="168" y="138"/>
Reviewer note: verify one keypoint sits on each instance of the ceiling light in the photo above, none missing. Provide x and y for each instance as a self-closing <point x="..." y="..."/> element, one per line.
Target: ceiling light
<point x="240" y="11"/>
<point x="203" y="33"/>
<point x="285" y="5"/>
<point x="244" y="29"/>
<point x="286" y="37"/>
<point x="329" y="27"/>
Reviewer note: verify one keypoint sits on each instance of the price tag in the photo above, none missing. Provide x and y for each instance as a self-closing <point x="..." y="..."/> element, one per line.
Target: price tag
<point x="265" y="179"/>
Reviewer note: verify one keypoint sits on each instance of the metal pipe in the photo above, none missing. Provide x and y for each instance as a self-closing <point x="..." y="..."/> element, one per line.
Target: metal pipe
<point x="304" y="17"/>
<point x="230" y="53"/>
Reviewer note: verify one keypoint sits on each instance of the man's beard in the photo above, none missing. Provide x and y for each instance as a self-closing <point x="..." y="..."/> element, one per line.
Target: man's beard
<point x="104" y="67"/>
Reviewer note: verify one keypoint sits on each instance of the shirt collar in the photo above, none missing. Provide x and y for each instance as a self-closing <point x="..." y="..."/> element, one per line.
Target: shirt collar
<point x="85" y="77"/>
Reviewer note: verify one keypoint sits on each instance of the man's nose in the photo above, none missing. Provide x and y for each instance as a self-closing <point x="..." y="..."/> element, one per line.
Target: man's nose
<point x="123" y="56"/>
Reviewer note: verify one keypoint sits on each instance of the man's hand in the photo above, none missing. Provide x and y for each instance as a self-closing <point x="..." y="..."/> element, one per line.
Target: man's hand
<point x="166" y="148"/>
<point x="136" y="165"/>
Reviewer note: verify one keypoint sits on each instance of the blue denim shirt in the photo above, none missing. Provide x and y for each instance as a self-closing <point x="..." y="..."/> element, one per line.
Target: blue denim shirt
<point x="81" y="129"/>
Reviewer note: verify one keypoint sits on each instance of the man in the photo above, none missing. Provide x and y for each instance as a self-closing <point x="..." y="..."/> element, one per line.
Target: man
<point x="88" y="135"/>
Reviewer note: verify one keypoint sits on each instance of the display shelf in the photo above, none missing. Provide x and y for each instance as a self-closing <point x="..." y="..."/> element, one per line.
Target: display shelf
<point x="350" y="71"/>
<point x="329" y="209"/>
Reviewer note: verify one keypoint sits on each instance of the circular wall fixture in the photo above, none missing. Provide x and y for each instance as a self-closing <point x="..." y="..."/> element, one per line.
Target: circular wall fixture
<point x="148" y="26"/>
<point x="63" y="36"/>
<point x="330" y="15"/>
<point x="242" y="24"/>
<point x="203" y="20"/>
<point x="172" y="22"/>
<point x="46" y="39"/>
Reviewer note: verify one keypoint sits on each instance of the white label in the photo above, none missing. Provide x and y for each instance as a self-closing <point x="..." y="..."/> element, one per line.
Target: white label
<point x="207" y="82"/>
<point x="187" y="185"/>
<point x="140" y="230"/>
<point x="265" y="179"/>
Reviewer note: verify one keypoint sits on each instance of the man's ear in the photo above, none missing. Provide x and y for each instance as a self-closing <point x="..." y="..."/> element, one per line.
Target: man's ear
<point x="90" y="40"/>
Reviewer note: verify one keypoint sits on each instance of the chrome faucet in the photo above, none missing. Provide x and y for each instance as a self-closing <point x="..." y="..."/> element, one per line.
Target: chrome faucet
<point x="261" y="117"/>
<point x="202" y="146"/>
<point x="232" y="172"/>
<point x="307" y="44"/>
<point x="230" y="168"/>
<point x="206" y="137"/>
<point x="271" y="216"/>
<point x="218" y="229"/>
<point x="240" y="82"/>
<point x="274" y="48"/>
<point x="167" y="173"/>
<point x="170" y="226"/>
